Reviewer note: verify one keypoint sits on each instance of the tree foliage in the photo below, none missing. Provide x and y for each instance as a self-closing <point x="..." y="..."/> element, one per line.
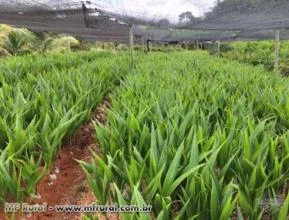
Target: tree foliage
<point x="16" y="43"/>
<point x="164" y="23"/>
<point x="186" y="17"/>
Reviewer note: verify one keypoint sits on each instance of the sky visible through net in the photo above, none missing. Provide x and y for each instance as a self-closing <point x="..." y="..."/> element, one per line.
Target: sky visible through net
<point x="163" y="20"/>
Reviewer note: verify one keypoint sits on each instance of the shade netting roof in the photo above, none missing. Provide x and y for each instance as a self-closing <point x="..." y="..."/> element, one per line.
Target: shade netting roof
<point x="108" y="20"/>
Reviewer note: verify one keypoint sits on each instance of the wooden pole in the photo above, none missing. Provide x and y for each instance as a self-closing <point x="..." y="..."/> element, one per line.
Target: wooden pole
<point x="187" y="46"/>
<point x="197" y="45"/>
<point x="277" y="48"/>
<point x="148" y="46"/>
<point x="68" y="44"/>
<point x="131" y="44"/>
<point x="143" y="44"/>
<point x="219" y="47"/>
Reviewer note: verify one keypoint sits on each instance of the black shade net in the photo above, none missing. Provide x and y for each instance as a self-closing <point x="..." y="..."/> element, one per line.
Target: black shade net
<point x="213" y="20"/>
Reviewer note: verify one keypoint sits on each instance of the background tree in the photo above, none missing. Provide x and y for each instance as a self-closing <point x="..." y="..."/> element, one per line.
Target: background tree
<point x="186" y="17"/>
<point x="164" y="23"/>
<point x="42" y="42"/>
<point x="16" y="43"/>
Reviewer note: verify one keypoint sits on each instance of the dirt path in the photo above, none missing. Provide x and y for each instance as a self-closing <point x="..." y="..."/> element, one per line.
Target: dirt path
<point x="66" y="183"/>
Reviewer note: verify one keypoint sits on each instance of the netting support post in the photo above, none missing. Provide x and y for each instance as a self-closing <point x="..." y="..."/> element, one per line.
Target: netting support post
<point x="148" y="46"/>
<point x="68" y="45"/>
<point x="219" y="47"/>
<point x="131" y="44"/>
<point x="197" y="45"/>
<point x="277" y="48"/>
<point x="143" y="44"/>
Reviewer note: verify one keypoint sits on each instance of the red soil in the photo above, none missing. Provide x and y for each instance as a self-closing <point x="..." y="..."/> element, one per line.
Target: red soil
<point x="66" y="183"/>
